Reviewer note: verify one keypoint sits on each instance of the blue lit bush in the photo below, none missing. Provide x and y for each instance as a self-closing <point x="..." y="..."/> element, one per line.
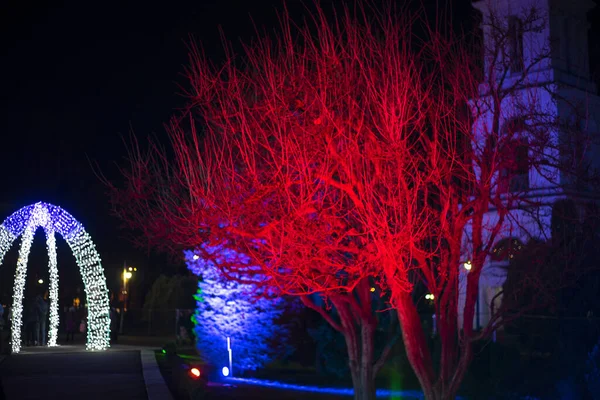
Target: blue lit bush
<point x="227" y="308"/>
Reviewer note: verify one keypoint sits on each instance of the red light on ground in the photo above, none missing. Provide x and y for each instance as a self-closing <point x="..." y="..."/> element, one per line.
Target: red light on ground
<point x="195" y="372"/>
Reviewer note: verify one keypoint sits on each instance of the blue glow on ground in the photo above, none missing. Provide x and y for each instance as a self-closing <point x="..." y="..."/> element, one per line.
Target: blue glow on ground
<point x="402" y="394"/>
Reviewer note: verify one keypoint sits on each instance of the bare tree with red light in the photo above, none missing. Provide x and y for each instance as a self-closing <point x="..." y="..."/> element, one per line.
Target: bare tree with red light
<point x="494" y="152"/>
<point x="345" y="155"/>
<point x="304" y="156"/>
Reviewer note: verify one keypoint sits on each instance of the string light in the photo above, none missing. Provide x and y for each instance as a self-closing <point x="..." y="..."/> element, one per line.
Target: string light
<point x="54" y="219"/>
<point x="19" y="288"/>
<point x="53" y="267"/>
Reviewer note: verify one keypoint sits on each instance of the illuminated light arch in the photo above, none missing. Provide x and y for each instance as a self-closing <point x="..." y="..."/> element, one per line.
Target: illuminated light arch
<point x="54" y="220"/>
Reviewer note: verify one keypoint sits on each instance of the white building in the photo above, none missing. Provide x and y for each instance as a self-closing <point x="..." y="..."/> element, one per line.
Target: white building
<point x="550" y="57"/>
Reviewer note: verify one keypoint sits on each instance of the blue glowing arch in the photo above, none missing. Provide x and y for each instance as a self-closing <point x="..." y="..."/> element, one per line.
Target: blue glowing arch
<point x="53" y="220"/>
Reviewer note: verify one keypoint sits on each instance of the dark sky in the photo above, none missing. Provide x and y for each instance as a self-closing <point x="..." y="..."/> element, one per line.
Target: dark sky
<point x="75" y="77"/>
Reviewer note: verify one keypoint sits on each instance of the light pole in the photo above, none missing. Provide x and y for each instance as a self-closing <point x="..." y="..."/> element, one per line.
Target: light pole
<point x="468" y="265"/>
<point x="127" y="275"/>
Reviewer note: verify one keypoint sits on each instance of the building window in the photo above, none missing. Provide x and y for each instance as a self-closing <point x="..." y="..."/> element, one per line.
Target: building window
<point x="519" y="180"/>
<point x="515" y="44"/>
<point x="514" y="174"/>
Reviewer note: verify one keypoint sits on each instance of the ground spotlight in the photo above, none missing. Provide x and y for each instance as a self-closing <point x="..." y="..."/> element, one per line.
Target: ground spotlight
<point x="194" y="372"/>
<point x="225" y="371"/>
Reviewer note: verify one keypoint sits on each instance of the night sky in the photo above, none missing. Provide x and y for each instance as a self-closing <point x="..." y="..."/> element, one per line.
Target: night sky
<point x="75" y="78"/>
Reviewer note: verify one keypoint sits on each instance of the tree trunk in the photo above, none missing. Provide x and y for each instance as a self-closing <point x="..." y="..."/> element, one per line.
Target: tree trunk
<point x="419" y="355"/>
<point x="360" y="359"/>
<point x="415" y="343"/>
<point x="363" y="381"/>
<point x="367" y="375"/>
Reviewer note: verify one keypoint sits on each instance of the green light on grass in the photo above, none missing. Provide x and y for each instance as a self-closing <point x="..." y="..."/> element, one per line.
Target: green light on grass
<point x="190" y="357"/>
<point x="395" y="384"/>
<point x="164" y="351"/>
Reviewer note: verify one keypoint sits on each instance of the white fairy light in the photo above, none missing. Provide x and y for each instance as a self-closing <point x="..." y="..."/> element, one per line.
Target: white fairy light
<point x="19" y="288"/>
<point x="54" y="219"/>
<point x="53" y="292"/>
<point x="6" y="239"/>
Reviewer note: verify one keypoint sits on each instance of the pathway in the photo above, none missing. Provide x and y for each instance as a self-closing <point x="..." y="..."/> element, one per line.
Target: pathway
<point x="129" y="372"/>
<point x="70" y="372"/>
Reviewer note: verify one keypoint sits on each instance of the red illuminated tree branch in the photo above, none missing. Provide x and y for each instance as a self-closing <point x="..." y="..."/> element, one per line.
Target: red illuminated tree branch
<point x="304" y="157"/>
<point x="483" y="140"/>
<point x="341" y="155"/>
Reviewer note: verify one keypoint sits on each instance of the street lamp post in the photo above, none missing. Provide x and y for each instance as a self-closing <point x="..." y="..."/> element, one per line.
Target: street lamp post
<point x="127" y="275"/>
<point x="468" y="265"/>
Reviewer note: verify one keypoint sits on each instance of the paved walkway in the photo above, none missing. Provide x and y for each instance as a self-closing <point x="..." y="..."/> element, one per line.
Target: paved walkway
<point x="70" y="372"/>
<point x="128" y="373"/>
